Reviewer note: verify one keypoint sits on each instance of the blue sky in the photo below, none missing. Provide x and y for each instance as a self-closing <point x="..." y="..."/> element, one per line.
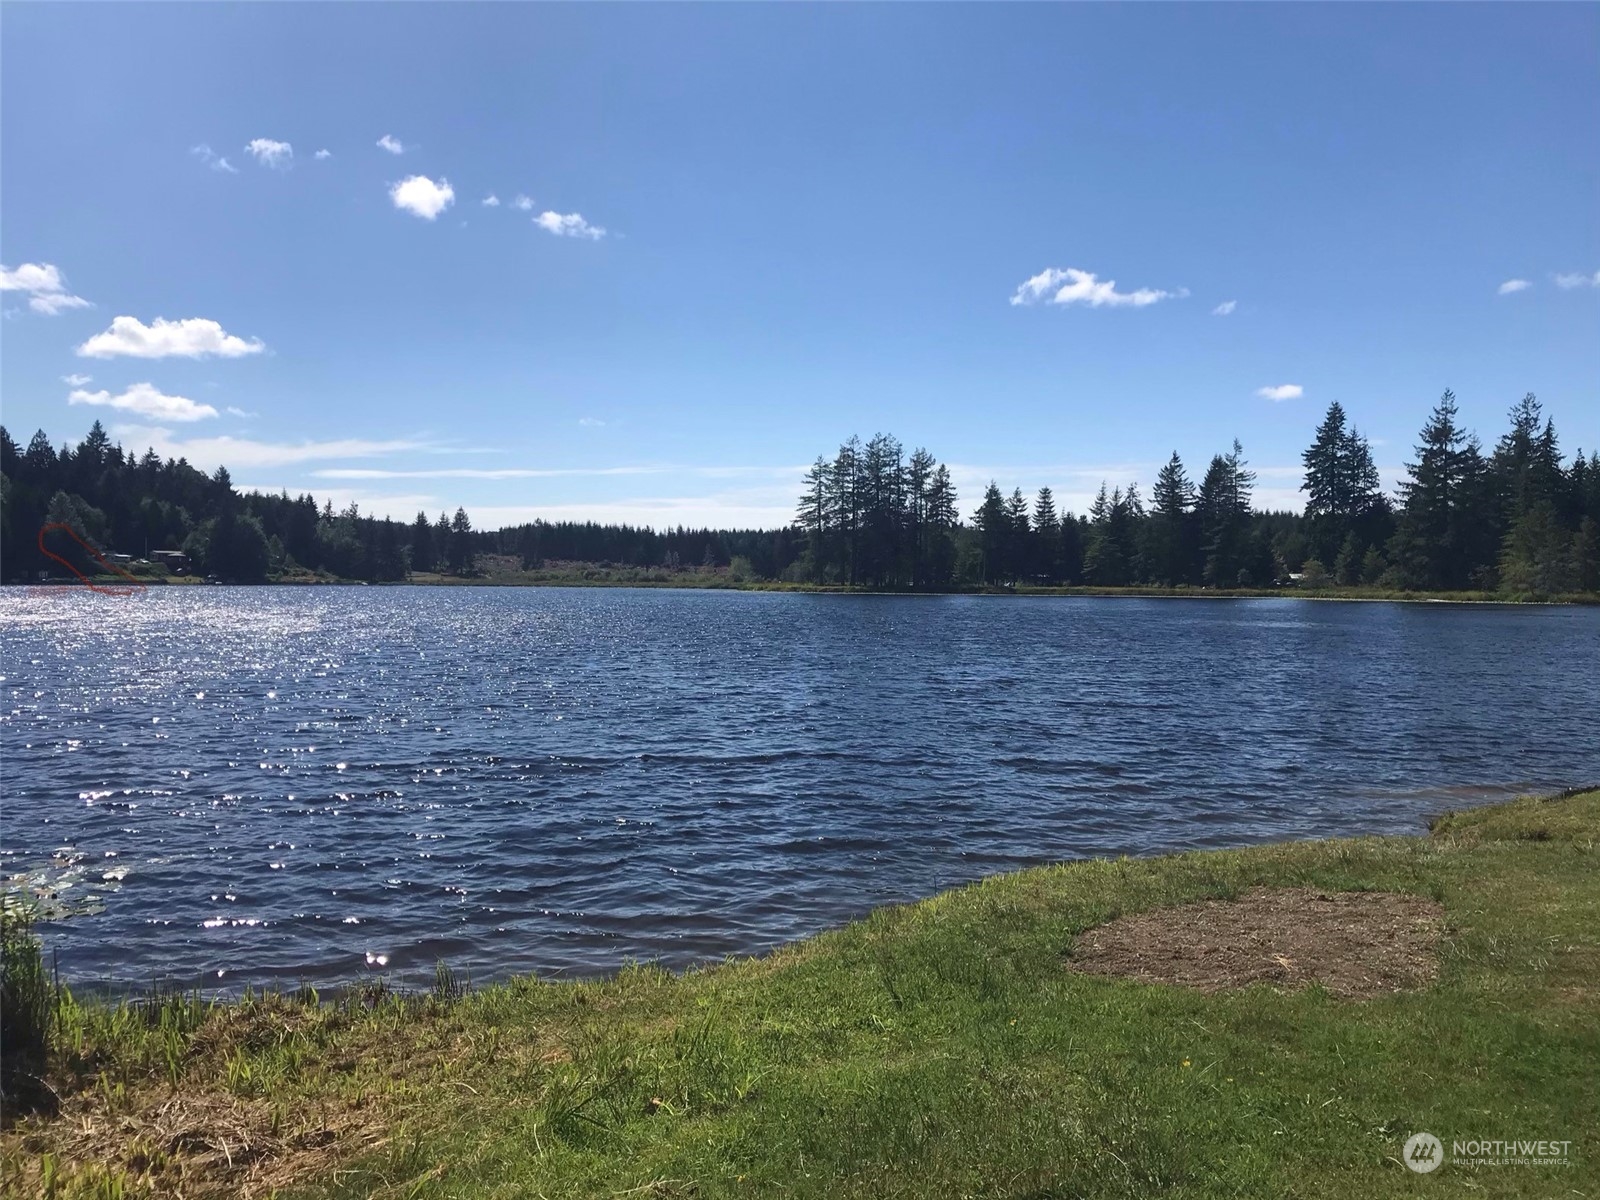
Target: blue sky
<point x="753" y="230"/>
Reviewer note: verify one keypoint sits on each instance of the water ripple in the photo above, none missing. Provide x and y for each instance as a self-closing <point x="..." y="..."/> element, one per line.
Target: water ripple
<point x="231" y="786"/>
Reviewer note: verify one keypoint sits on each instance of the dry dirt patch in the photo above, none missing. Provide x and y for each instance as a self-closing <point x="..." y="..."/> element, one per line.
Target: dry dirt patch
<point x="1355" y="944"/>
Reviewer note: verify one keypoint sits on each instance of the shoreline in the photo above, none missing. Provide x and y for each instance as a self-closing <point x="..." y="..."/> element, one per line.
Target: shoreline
<point x="974" y="1036"/>
<point x="1343" y="595"/>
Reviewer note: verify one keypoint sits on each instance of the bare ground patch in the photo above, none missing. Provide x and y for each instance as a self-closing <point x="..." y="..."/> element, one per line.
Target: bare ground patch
<point x="1355" y="944"/>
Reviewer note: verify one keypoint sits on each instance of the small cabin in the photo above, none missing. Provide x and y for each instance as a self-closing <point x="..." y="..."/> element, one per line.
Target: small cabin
<point x="175" y="561"/>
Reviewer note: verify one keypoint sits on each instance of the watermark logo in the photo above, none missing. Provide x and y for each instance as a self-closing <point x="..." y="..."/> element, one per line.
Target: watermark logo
<point x="1423" y="1153"/>
<point x="1513" y="1152"/>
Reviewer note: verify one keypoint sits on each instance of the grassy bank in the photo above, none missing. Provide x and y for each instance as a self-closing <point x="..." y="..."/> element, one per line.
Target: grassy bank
<point x="944" y="1048"/>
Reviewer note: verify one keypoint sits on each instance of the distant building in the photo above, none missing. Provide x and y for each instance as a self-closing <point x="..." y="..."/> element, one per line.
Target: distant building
<point x="119" y="560"/>
<point x="175" y="561"/>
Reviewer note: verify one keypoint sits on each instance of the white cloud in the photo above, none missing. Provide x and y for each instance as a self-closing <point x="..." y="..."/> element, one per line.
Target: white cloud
<point x="270" y="153"/>
<point x="568" y="225"/>
<point x="1283" y="391"/>
<point x="246" y="453"/>
<point x="392" y="145"/>
<point x="398" y="508"/>
<point x="146" y="401"/>
<point x="1514" y="285"/>
<point x="194" y="337"/>
<point x="213" y="160"/>
<point x="77" y="380"/>
<point x="524" y="203"/>
<point x="239" y="412"/>
<point x="787" y="472"/>
<point x="322" y="155"/>
<point x="750" y="508"/>
<point x="47" y="291"/>
<point x="1577" y="279"/>
<point x="591" y="422"/>
<point x="1072" y="286"/>
<point x="491" y="201"/>
<point x="1225" y="308"/>
<point x="422" y="196"/>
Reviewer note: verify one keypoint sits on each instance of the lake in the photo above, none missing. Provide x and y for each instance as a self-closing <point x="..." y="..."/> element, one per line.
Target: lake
<point x="235" y="786"/>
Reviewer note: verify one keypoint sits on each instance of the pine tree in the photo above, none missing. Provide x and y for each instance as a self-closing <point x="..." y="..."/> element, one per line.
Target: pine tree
<point x="994" y="533"/>
<point x="918" y="532"/>
<point x="40" y="457"/>
<point x="1047" y="537"/>
<point x="1446" y="537"/>
<point x="1343" y="491"/>
<point x="847" y="501"/>
<point x="1106" y="557"/>
<point x="1347" y="563"/>
<point x="1373" y="565"/>
<point x="814" y="517"/>
<point x="1223" y="509"/>
<point x="1586" y="555"/>
<point x="882" y="510"/>
<point x="1537" y="508"/>
<point x="1538" y="554"/>
<point x="461" y="543"/>
<point x="1172" y="552"/>
<point x="422" y="557"/>
<point x="942" y="521"/>
<point x="1019" y="543"/>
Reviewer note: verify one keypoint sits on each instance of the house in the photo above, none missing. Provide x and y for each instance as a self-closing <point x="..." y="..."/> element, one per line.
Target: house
<point x="175" y="561"/>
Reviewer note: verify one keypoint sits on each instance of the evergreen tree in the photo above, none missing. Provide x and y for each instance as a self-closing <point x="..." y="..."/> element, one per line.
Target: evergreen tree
<point x="870" y="516"/>
<point x="848" y="493"/>
<point x="1538" y="554"/>
<point x="813" y="517"/>
<point x="1586" y="555"/>
<point x="1343" y="491"/>
<point x="1046" y="537"/>
<point x="883" y="510"/>
<point x="1373" y="565"/>
<point x="461" y="543"/>
<point x="994" y="533"/>
<point x="1223" y="510"/>
<point x="422" y="558"/>
<point x="1072" y="549"/>
<point x="1448" y="507"/>
<point x="917" y="532"/>
<point x="1172" y="553"/>
<point x="1537" y="508"/>
<point x="942" y="522"/>
<point x="1347" y="563"/>
<point x="1019" y="542"/>
<point x="1107" y="557"/>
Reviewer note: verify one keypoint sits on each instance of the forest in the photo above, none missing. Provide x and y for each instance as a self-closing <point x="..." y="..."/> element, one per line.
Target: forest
<point x="1514" y="519"/>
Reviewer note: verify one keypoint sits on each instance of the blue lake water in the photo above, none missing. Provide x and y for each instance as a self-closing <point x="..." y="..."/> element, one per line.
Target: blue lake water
<point x="254" y="785"/>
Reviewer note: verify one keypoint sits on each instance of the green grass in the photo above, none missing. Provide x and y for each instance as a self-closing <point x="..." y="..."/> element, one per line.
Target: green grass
<point x="27" y="1003"/>
<point x="936" y="1049"/>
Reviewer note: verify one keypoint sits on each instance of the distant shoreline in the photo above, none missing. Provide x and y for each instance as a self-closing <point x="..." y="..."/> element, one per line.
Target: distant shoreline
<point x="723" y="583"/>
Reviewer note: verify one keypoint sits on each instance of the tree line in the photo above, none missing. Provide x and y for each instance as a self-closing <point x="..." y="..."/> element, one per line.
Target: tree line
<point x="1516" y="518"/>
<point x="138" y="504"/>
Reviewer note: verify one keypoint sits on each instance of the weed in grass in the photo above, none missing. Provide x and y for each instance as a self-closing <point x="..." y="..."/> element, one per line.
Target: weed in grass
<point x="27" y="1010"/>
